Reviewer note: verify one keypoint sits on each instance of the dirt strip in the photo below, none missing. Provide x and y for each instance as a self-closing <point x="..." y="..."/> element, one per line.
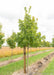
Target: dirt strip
<point x="38" y="67"/>
<point x="19" y="58"/>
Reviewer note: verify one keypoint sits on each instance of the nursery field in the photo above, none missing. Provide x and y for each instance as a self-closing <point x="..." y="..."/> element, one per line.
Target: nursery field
<point x="16" y="66"/>
<point x="26" y="37"/>
<point x="6" y="51"/>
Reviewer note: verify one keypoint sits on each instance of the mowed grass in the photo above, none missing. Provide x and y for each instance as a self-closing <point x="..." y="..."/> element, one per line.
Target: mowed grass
<point x="10" y="68"/>
<point x="16" y="56"/>
<point x="9" y="58"/>
<point x="50" y="69"/>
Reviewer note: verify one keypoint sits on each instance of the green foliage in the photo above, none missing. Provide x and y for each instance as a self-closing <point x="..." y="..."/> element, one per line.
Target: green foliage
<point x="11" y="42"/>
<point x="37" y="40"/>
<point x="13" y="36"/>
<point x="43" y="42"/>
<point x="52" y="42"/>
<point x="0" y="27"/>
<point x="28" y="28"/>
<point x="48" y="44"/>
<point x="1" y="37"/>
<point x="43" y="37"/>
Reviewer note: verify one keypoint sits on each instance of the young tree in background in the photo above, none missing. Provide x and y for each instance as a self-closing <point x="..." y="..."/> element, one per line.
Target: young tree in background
<point x="25" y="37"/>
<point x="39" y="39"/>
<point x="11" y="42"/>
<point x="52" y="42"/>
<point x="13" y="36"/>
<point x="43" y="37"/>
<point x="43" y="43"/>
<point x="1" y="37"/>
<point x="48" y="44"/>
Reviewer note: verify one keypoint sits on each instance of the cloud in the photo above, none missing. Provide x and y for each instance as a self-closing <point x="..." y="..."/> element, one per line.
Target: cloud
<point x="50" y="17"/>
<point x="9" y="16"/>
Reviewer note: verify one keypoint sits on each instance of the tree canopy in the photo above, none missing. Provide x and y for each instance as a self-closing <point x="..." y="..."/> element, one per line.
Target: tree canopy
<point x="52" y="42"/>
<point x="28" y="28"/>
<point x="1" y="37"/>
<point x="11" y="41"/>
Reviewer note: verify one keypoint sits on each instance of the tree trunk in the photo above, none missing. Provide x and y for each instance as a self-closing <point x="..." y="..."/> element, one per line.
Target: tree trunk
<point x="39" y="48"/>
<point x="11" y="53"/>
<point x="24" y="59"/>
<point x="27" y="58"/>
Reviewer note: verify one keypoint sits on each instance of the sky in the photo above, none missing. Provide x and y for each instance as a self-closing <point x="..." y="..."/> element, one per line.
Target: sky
<point x="12" y="10"/>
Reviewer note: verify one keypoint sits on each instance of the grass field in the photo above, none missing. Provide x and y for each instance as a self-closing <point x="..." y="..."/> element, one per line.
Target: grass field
<point x="10" y="68"/>
<point x="50" y="69"/>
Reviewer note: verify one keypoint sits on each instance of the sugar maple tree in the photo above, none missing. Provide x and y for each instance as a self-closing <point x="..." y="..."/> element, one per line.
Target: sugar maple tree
<point x="26" y="36"/>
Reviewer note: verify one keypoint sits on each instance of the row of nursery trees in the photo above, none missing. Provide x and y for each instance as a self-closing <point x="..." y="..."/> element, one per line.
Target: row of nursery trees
<point x="28" y="35"/>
